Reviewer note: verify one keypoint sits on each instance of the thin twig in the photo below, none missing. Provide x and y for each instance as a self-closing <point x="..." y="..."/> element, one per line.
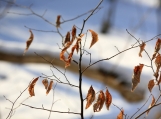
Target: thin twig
<point x="49" y="109"/>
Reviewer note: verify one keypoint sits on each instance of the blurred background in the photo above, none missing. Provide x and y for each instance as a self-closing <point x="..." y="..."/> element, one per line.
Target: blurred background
<point x="142" y="18"/>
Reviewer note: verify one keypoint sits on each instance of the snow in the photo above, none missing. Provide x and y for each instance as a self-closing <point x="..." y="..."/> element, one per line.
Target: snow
<point x="15" y="77"/>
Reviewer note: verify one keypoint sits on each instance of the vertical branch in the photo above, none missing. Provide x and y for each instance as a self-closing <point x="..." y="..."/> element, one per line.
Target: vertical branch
<point x="80" y="80"/>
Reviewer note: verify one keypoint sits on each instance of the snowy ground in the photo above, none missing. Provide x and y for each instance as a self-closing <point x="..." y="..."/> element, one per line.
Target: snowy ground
<point x="15" y="77"/>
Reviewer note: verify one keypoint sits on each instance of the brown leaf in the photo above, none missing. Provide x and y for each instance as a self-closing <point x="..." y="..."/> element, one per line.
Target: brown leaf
<point x="90" y="97"/>
<point x="67" y="38"/>
<point x="100" y="101"/>
<point x="94" y="37"/>
<point x="157" y="48"/>
<point x="152" y="103"/>
<point x="136" y="76"/>
<point x="158" y="62"/>
<point x="159" y="79"/>
<point x="49" y="87"/>
<point x="45" y="83"/>
<point x="108" y="99"/>
<point x="151" y="84"/>
<point x="31" y="87"/>
<point x="58" y="21"/>
<point x="74" y="31"/>
<point x="142" y="46"/>
<point x="29" y="41"/>
<point x="121" y="114"/>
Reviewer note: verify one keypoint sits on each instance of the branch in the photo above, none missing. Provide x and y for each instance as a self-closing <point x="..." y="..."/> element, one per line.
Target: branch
<point x="49" y="109"/>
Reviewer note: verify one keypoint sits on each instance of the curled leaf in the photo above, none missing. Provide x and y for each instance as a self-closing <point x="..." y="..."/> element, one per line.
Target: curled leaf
<point x="29" y="41"/>
<point x="74" y="31"/>
<point x="159" y="79"/>
<point x="151" y="84"/>
<point x="157" y="48"/>
<point x="158" y="62"/>
<point x="108" y="99"/>
<point x="94" y="37"/>
<point x="136" y="76"/>
<point x="142" y="46"/>
<point x="90" y="97"/>
<point x="100" y="101"/>
<point x="67" y="38"/>
<point x="121" y="114"/>
<point x="152" y="103"/>
<point x="31" y="87"/>
<point x="45" y="83"/>
<point x="49" y="87"/>
<point x="58" y="21"/>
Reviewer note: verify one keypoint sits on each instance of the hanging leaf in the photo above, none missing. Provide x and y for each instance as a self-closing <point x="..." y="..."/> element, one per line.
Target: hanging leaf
<point x="94" y="37"/>
<point x="151" y="84"/>
<point x="100" y="101"/>
<point x="142" y="46"/>
<point x="121" y="114"/>
<point x="31" y="87"/>
<point x="29" y="41"/>
<point x="49" y="87"/>
<point x="45" y="83"/>
<point x="74" y="31"/>
<point x="152" y="103"/>
<point x="157" y="48"/>
<point x="58" y="21"/>
<point x="108" y="99"/>
<point x="159" y="79"/>
<point x="67" y="38"/>
<point x="90" y="97"/>
<point x="158" y="62"/>
<point x="136" y="76"/>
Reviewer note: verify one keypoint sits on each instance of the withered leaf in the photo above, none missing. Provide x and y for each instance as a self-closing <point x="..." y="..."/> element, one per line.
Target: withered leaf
<point x="74" y="31"/>
<point x="29" y="41"/>
<point x="121" y="114"/>
<point x="151" y="84"/>
<point x="58" y="21"/>
<point x="67" y="38"/>
<point x="108" y="99"/>
<point x="136" y="76"/>
<point x="90" y="97"/>
<point x="157" y="48"/>
<point x="100" y="101"/>
<point x="159" y="79"/>
<point x="142" y="46"/>
<point x="45" y="83"/>
<point x="152" y="103"/>
<point x="31" y="87"/>
<point x="49" y="87"/>
<point x="94" y="37"/>
<point x="158" y="62"/>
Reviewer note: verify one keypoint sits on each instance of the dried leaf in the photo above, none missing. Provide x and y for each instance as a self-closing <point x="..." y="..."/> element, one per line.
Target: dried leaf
<point x="159" y="80"/>
<point x="152" y="103"/>
<point x="151" y="84"/>
<point x="31" y="87"/>
<point x="157" y="48"/>
<point x="142" y="46"/>
<point x="67" y="38"/>
<point x="121" y="114"/>
<point x="49" y="87"/>
<point x="45" y="83"/>
<point x="29" y="41"/>
<point x="100" y="101"/>
<point x="90" y="97"/>
<point x="108" y="99"/>
<point x="158" y="62"/>
<point x="94" y="37"/>
<point x="74" y="30"/>
<point x="58" y="21"/>
<point x="136" y="76"/>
